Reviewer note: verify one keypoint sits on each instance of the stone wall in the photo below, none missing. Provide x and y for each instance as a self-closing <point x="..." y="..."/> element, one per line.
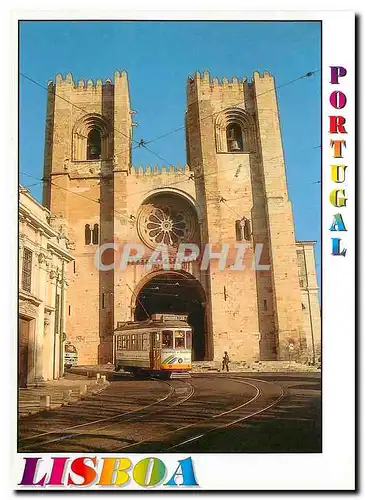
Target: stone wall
<point x="252" y="314"/>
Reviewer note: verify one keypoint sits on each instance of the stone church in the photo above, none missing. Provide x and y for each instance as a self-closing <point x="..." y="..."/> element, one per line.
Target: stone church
<point x="233" y="191"/>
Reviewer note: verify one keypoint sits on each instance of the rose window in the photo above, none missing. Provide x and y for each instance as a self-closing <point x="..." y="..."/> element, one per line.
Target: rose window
<point x="168" y="221"/>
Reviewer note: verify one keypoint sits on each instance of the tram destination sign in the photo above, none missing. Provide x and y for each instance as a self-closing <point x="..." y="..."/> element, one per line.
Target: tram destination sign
<point x="169" y="317"/>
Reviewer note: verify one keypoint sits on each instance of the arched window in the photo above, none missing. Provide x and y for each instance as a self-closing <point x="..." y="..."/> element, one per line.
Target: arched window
<point x="247" y="230"/>
<point x="94" y="145"/>
<point x="239" y="233"/>
<point x="243" y="229"/>
<point x="96" y="234"/>
<point x="92" y="138"/>
<point x="87" y="234"/>
<point x="235" y="131"/>
<point x="234" y="138"/>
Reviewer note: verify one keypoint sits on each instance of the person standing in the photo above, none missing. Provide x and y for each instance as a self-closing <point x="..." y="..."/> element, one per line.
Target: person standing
<point x="225" y="361"/>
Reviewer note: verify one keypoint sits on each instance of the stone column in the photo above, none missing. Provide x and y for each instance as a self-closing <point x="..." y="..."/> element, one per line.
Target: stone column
<point x="53" y="276"/>
<point x="21" y="249"/>
<point x="63" y="285"/>
<point x="47" y="351"/>
<point x="39" y="332"/>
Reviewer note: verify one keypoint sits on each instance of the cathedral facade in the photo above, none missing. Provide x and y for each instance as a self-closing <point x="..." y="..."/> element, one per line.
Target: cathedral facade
<point x="256" y="296"/>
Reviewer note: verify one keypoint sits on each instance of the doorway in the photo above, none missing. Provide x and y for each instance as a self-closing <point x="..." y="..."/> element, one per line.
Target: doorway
<point x="175" y="293"/>
<point x="23" y="351"/>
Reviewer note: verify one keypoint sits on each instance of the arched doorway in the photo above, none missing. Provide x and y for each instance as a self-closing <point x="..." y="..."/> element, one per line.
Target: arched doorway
<point x="174" y="293"/>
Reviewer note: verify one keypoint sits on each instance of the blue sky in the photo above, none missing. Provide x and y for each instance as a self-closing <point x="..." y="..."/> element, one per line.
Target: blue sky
<point x="158" y="57"/>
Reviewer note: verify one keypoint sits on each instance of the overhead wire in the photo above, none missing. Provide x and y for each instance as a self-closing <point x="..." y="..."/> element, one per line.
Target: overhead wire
<point x="221" y="198"/>
<point x="143" y="143"/>
<point x="73" y="104"/>
<point x="76" y="194"/>
<point x="170" y="184"/>
<point x="294" y="80"/>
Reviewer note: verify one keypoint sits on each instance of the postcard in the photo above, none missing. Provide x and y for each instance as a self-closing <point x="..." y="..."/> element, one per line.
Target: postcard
<point x="186" y="245"/>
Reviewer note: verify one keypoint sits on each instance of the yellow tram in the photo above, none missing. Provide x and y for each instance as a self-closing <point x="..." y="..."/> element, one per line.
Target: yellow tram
<point x="159" y="346"/>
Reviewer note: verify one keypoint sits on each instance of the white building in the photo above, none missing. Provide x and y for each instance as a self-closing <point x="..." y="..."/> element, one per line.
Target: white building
<point x="43" y="261"/>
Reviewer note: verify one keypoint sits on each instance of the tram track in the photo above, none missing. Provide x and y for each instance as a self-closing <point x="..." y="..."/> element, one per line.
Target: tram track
<point x="121" y="418"/>
<point x="235" y="421"/>
<point x="258" y="393"/>
<point x="109" y="433"/>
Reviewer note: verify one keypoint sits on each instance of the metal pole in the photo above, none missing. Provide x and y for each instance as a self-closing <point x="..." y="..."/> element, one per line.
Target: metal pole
<point x="140" y="303"/>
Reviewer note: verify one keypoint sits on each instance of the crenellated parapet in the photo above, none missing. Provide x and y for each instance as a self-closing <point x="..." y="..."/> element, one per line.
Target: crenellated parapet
<point x="68" y="81"/>
<point x="205" y="79"/>
<point x="206" y="87"/>
<point x="160" y="169"/>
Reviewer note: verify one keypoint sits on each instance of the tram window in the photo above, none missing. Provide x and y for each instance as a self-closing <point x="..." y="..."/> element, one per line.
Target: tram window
<point x="188" y="339"/>
<point x="70" y="348"/>
<point x="124" y="342"/>
<point x="156" y="340"/>
<point x="167" y="336"/>
<point x="179" y="339"/>
<point x="133" y="343"/>
<point x="119" y="343"/>
<point x="144" y="342"/>
<point x="140" y="346"/>
<point x="128" y="342"/>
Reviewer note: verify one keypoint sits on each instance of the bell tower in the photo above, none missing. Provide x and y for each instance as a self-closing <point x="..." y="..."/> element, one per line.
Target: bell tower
<point x="87" y="159"/>
<point x="234" y="148"/>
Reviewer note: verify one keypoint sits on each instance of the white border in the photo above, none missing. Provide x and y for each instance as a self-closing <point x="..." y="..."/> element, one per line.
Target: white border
<point x="334" y="468"/>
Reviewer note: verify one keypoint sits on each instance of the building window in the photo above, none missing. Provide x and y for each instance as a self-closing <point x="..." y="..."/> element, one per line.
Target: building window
<point x="234" y="138"/>
<point x="246" y="229"/>
<point x="69" y="310"/>
<point x="166" y="219"/>
<point x="102" y="301"/>
<point x="92" y="138"/>
<point x="27" y="270"/>
<point x="87" y="234"/>
<point x="239" y="233"/>
<point x="303" y="306"/>
<point x="91" y="235"/>
<point x="265" y="305"/>
<point x="243" y="229"/>
<point x="96" y="234"/>
<point x="94" y="145"/>
<point x="235" y="131"/>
